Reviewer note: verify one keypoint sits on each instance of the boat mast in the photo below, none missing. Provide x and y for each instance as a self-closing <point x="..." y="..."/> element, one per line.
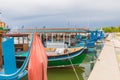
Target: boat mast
<point x="0" y="44"/>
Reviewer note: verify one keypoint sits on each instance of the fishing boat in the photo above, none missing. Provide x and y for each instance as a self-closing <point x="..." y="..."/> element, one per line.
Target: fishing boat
<point x="11" y="72"/>
<point x="58" y="54"/>
<point x="61" y="46"/>
<point x="65" y="57"/>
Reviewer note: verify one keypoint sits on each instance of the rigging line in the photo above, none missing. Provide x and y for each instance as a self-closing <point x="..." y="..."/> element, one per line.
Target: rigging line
<point x="73" y="68"/>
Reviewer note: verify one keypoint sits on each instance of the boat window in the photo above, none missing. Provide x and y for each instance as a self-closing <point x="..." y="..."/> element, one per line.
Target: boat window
<point x="20" y="40"/>
<point x="25" y="40"/>
<point x="16" y="40"/>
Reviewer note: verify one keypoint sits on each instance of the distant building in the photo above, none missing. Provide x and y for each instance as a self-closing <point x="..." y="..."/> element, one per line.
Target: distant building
<point x="2" y="25"/>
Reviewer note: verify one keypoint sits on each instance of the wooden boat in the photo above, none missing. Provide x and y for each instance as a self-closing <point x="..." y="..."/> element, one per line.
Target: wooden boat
<point x="10" y="70"/>
<point x="54" y="59"/>
<point x="59" y="56"/>
<point x="63" y="59"/>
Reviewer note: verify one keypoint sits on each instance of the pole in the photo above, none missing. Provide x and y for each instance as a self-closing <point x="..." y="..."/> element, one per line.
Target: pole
<point x="0" y="50"/>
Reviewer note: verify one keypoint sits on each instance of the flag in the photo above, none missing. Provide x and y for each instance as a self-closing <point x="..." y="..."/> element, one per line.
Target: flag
<point x="37" y="67"/>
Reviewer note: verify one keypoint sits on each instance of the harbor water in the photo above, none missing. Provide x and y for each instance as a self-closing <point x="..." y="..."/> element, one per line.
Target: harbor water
<point x="82" y="71"/>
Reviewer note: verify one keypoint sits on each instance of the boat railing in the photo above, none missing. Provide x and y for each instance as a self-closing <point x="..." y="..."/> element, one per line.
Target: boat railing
<point x="56" y="44"/>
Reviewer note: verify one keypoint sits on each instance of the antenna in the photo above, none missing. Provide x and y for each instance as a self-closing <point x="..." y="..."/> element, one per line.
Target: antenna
<point x="88" y="24"/>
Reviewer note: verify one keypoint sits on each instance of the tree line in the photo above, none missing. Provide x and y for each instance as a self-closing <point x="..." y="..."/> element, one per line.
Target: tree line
<point x="111" y="29"/>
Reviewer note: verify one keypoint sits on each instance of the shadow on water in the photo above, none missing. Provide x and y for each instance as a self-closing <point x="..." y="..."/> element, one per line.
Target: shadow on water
<point x="65" y="73"/>
<point x="83" y="70"/>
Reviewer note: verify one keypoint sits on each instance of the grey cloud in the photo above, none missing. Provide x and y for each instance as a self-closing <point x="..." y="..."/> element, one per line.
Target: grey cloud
<point x="61" y="12"/>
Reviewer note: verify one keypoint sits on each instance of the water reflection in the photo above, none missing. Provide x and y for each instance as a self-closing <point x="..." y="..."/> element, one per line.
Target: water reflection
<point x="83" y="70"/>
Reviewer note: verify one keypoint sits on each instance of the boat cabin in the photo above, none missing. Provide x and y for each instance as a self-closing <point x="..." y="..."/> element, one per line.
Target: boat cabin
<point x="21" y="41"/>
<point x="58" y="37"/>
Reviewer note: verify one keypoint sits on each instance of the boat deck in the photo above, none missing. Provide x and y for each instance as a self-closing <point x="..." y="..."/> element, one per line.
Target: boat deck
<point x="106" y="67"/>
<point x="54" y="51"/>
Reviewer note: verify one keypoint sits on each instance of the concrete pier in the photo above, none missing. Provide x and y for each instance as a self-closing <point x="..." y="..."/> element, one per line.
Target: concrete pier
<point x="106" y="66"/>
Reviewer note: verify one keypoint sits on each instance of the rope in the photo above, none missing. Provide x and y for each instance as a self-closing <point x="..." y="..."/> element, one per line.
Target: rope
<point x="73" y="68"/>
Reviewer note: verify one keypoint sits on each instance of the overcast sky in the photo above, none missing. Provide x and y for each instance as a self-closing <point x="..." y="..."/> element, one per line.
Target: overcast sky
<point x="60" y="13"/>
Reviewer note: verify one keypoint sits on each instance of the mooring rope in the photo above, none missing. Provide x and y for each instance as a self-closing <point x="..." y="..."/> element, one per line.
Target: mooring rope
<point x="73" y="68"/>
